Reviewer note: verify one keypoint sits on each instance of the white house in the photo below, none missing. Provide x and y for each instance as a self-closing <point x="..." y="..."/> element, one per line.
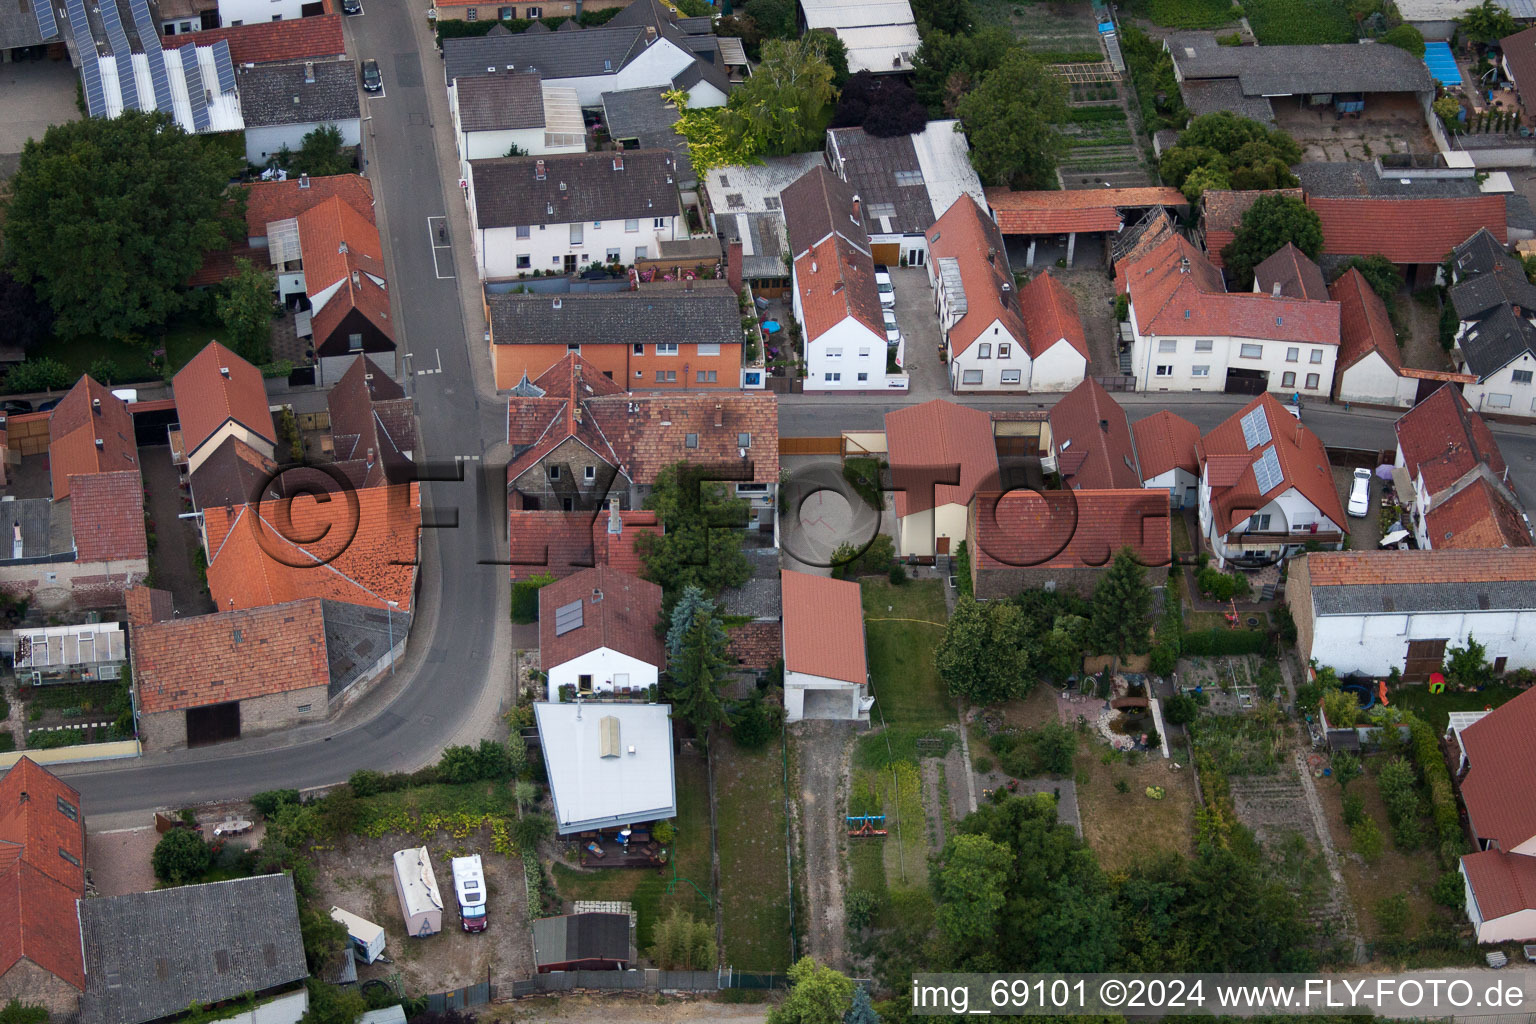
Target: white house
<point x="825" y="673"/>
<point x="978" y="307"/>
<point x="1058" y="348"/>
<point x="597" y="634"/>
<point x="252" y="12"/>
<point x="1497" y="781"/>
<point x="610" y="765"/>
<point x="1265" y="487"/>
<point x="1495" y="337"/>
<point x="282" y="103"/>
<point x="1190" y="334"/>
<point x="492" y="114"/>
<point x="880" y="36"/>
<point x="558" y="214"/>
<point x="834" y="297"/>
<point x="1165" y="448"/>
<point x="1370" y="366"/>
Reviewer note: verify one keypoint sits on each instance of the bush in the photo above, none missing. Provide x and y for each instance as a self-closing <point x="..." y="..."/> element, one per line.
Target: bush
<point x="850" y="562"/>
<point x="1221" y="586"/>
<point x="861" y="907"/>
<point x="756" y="724"/>
<point x="1215" y="642"/>
<point x="1354" y="809"/>
<point x="530" y="829"/>
<point x="897" y="575"/>
<point x="664" y="832"/>
<point x="42" y="374"/>
<point x="180" y="856"/>
<point x="1180" y="709"/>
<point x="1400" y="794"/>
<point x="268" y="802"/>
<point x="490" y="760"/>
<point x="525" y="598"/>
<point x="365" y="783"/>
<point x="983" y="764"/>
<point x="16" y="1012"/>
<point x="1163" y="660"/>
<point x="1450" y="891"/>
<point x="1366" y="838"/>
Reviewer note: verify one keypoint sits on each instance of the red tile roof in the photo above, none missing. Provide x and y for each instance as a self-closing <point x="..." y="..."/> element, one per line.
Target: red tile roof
<point x="940" y="454"/>
<point x="74" y="427"/>
<point x="1442" y="438"/>
<point x="561" y="543"/>
<point x="1478" y="517"/>
<point x="1293" y="273"/>
<point x="966" y="235"/>
<point x="823" y="627"/>
<point x="38" y="885"/>
<point x="1224" y="209"/>
<point x="291" y="39"/>
<point x="363" y="553"/>
<point x="1364" y="325"/>
<point x="147" y="605"/>
<point x="1091" y="434"/>
<point x="207" y="398"/>
<point x="1502" y="883"/>
<point x="268" y="201"/>
<point x="1389" y="568"/>
<point x="1051" y="315"/>
<point x="1303" y="465"/>
<point x="1176" y="292"/>
<point x="836" y="282"/>
<point x="106" y="511"/>
<point x="1069" y="529"/>
<point x="618" y="611"/>
<point x="1501" y="749"/>
<point x="1057" y="212"/>
<point x="229" y="656"/>
<point x="1406" y="230"/>
<point x="1165" y="441"/>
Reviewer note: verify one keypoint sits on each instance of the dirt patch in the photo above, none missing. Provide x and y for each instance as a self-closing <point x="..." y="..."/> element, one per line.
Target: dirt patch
<point x="1095" y="295"/>
<point x="821" y="751"/>
<point x="359" y="877"/>
<point x="628" y="1009"/>
<point x="173" y="553"/>
<point x="1420" y="319"/>
<point x="118" y="861"/>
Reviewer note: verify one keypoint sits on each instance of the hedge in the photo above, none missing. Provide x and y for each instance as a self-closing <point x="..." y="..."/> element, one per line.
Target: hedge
<point x="1214" y="642"/>
<point x="1425" y="747"/>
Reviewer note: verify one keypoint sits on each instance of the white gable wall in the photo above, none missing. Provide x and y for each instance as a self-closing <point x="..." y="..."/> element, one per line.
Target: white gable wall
<point x="264" y="143"/>
<point x="1372" y="381"/>
<point x="608" y="669"/>
<point x="1499" y="394"/>
<point x="1059" y="368"/>
<point x="987" y="374"/>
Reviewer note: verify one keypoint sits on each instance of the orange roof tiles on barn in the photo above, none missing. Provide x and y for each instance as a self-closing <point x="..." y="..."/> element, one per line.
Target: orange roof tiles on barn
<point x="1406" y="230"/>
<point x="147" y="605"/>
<point x="1303" y="465"/>
<point x="270" y="41"/>
<point x="89" y="414"/>
<point x="359" y="547"/>
<point x="966" y="235"/>
<point x="1501" y="748"/>
<point x="230" y="656"/>
<point x="1364" y="325"/>
<point x="106" y="512"/>
<point x="619" y="612"/>
<point x="1051" y="315"/>
<point x="1442" y="438"/>
<point x="1084" y="210"/>
<point x="217" y="386"/>
<point x="1386" y="568"/>
<point x="1070" y="529"/>
<point x="1224" y="209"/>
<point x="823" y="627"/>
<point x="1477" y="516"/>
<point x="1165" y="441"/>
<point x="940" y="454"/>
<point x="1502" y="883"/>
<point x="42" y="850"/>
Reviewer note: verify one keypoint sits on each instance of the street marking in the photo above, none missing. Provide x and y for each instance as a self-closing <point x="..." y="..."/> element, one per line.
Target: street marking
<point x="437" y="234"/>
<point x="466" y="458"/>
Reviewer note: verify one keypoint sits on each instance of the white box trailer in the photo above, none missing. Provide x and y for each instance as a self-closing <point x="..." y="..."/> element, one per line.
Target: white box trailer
<point x="420" y="901"/>
<point x="367" y="937"/>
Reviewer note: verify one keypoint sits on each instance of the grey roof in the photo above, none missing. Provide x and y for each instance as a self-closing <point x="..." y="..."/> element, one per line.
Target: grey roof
<point x="232" y="475"/>
<point x="46" y="531"/>
<point x="1206" y="96"/>
<point x="1291" y="269"/>
<point x="560" y="940"/>
<point x="756" y="188"/>
<point x="501" y="102"/>
<point x="1481" y="254"/>
<point x="1490" y="344"/>
<point x="576" y="188"/>
<point x="642" y="115"/>
<point x="817" y="205"/>
<point x="870" y="166"/>
<point x="1518" y="212"/>
<point x="356" y="637"/>
<point x="763" y="242"/>
<point x="597" y="51"/>
<point x="268" y="91"/>
<point x="152" y="954"/>
<point x="1295" y="70"/>
<point x="1357" y="179"/>
<point x="702" y="70"/>
<point x="569" y="25"/>
<point x="1480" y="293"/>
<point x="708" y="314"/>
<point x="700" y="26"/>
<point x="1397" y="598"/>
<point x="18" y="25"/>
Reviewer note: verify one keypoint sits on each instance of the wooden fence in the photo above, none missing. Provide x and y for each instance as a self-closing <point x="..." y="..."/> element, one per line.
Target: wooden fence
<point x="810" y="446"/>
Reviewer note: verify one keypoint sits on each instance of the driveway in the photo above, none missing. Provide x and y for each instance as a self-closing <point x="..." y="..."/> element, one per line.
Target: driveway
<point x="33" y="95"/>
<point x="823" y="512"/>
<point x="919" y="322"/>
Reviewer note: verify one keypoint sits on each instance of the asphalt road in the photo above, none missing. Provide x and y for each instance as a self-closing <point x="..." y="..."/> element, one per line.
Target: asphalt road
<point x="456" y="670"/>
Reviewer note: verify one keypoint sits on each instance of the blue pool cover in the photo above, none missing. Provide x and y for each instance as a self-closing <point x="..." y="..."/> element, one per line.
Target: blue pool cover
<point x="1437" y="57"/>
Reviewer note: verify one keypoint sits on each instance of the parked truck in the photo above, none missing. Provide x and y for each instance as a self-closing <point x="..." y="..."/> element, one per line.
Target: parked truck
<point x="367" y="937"/>
<point x="469" y="887"/>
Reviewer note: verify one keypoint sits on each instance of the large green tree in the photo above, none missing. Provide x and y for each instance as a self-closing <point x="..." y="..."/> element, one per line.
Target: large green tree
<point x="1121" y="603"/>
<point x="785" y="106"/>
<point x="1487" y="22"/>
<point x="701" y="545"/>
<point x="986" y="652"/>
<point x="109" y="217"/>
<point x="1235" y="152"/>
<point x="320" y="153"/>
<point x="948" y="65"/>
<point x="180" y="856"/>
<point x="970" y="887"/>
<point x="696" y="661"/>
<point x="1271" y="222"/>
<point x="1010" y="120"/>
<point x="953" y="16"/>
<point x="817" y="995"/>
<point x="245" y="306"/>
<point x="1379" y="272"/>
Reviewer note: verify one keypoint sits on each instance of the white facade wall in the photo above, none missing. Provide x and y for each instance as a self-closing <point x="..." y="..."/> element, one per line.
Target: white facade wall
<point x="848" y="352"/>
<point x="490" y="145"/>
<point x="254" y="12"/>
<point x="1372" y="381"/>
<point x="1183" y="487"/>
<point x="1499" y="394"/>
<point x="1216" y="354"/>
<point x="653" y="69"/>
<point x="497" y="250"/>
<point x="1517" y="927"/>
<point x="1059" y="368"/>
<point x="608" y="669"/>
<point x="1375" y="644"/>
<point x="916" y="534"/>
<point x="797" y="683"/>
<point x="913" y="248"/>
<point x="1289" y="512"/>
<point x="987" y="374"/>
<point x="264" y="143"/>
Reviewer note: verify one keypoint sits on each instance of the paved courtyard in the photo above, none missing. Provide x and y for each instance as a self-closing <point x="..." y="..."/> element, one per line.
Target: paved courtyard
<point x="33" y="95"/>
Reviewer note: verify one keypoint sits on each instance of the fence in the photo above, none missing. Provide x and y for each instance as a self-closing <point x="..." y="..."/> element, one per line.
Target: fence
<point x="648" y="980"/>
<point x="459" y="998"/>
<point x="810" y="446"/>
<point x="1117" y="383"/>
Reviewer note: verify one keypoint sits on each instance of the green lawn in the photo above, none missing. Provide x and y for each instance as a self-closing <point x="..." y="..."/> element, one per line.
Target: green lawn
<point x="181" y="340"/>
<point x="59" y="696"/>
<point x="901" y="626"/>
<point x="1436" y="708"/>
<point x="655" y="893"/>
<point x="754" y="880"/>
<point x="1294" y="22"/>
<point x="1186" y="14"/>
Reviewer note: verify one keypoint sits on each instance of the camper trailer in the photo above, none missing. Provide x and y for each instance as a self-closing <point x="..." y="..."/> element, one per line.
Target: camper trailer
<point x="469" y="888"/>
<point x="420" y="902"/>
<point x="367" y="937"/>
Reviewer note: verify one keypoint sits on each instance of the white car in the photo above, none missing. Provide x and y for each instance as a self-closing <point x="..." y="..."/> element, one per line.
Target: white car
<point x="892" y="331"/>
<point x="886" y="289"/>
<point x="1360" y="494"/>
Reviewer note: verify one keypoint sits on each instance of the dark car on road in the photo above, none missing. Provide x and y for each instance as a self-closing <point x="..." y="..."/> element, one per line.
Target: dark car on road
<point x="373" y="81"/>
<point x="351" y="6"/>
<point x="15" y="407"/>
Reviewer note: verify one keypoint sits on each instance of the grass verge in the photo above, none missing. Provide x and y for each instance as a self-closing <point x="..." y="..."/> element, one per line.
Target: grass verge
<point x="902" y="624"/>
<point x="1436" y="708"/>
<point x="754" y="892"/>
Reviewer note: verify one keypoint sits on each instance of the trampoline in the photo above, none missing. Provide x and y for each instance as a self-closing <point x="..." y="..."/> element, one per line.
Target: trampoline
<point x="1442" y="66"/>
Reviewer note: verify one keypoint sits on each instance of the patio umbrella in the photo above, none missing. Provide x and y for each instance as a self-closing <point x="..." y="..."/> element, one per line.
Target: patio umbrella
<point x="1384" y="473"/>
<point x="1395" y="537"/>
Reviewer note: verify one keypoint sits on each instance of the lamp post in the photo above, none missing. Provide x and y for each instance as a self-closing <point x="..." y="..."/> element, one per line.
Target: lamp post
<point x="390" y="612"/>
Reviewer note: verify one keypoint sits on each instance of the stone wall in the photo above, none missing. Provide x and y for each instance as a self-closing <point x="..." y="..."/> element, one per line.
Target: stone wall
<point x="31" y="985"/>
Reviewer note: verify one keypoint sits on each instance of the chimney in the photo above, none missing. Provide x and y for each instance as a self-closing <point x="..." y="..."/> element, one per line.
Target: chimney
<point x="1183" y="264"/>
<point x="615" y="521"/>
<point x="96" y="406"/>
<point x="1104" y="425"/>
<point x="650" y="34"/>
<point x="992" y="256"/>
<point x="370" y="458"/>
<point x="100" y="444"/>
<point x="303" y="181"/>
<point x="557" y="303"/>
<point x="597" y="596"/>
<point x="1275" y="291"/>
<point x="16" y="539"/>
<point x="224" y="372"/>
<point x="813" y="266"/>
<point x="733" y="260"/>
<point x="719" y="415"/>
<point x="618" y="161"/>
<point x="309" y="72"/>
<point x="538" y="170"/>
<point x="357" y="279"/>
<point x="576" y="413"/>
<point x="856" y="209"/>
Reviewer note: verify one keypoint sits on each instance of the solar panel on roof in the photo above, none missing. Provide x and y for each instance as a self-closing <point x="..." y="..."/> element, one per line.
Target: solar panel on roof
<point x="112" y="22"/>
<point x="1255" y="428"/>
<point x="195" y="89"/>
<point x="144" y="24"/>
<point x="127" y="85"/>
<point x="160" y="78"/>
<point x="47" y="24"/>
<point x="225" y="66"/>
<point x="1266" y="472"/>
<point x="567" y="618"/>
<point x="95" y="95"/>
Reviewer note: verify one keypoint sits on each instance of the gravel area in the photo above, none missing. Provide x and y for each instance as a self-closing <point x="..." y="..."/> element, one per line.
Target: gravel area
<point x="1095" y="295"/>
<point x="822" y="751"/>
<point x="118" y="861"/>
